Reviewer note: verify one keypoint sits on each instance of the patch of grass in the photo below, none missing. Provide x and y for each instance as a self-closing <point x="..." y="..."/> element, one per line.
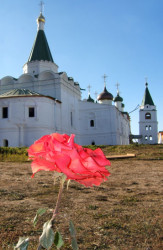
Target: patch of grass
<point x="101" y="198"/>
<point x="13" y="154"/>
<point x="129" y="200"/>
<point x="100" y="216"/>
<point x="19" y="154"/>
<point x="142" y="151"/>
<point x="92" y="207"/>
<point x="114" y="224"/>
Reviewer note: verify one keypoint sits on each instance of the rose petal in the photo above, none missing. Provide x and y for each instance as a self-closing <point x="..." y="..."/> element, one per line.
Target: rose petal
<point x="41" y="164"/>
<point x="89" y="182"/>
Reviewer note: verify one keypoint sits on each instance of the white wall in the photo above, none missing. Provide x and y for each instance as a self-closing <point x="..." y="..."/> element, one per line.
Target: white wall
<point x="20" y="129"/>
<point x="110" y="126"/>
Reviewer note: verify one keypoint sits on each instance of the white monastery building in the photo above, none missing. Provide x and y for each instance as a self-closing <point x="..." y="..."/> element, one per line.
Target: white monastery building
<point x="44" y="101"/>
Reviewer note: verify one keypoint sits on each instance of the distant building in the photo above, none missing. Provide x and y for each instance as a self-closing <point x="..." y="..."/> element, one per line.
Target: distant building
<point x="43" y="101"/>
<point x="160" y="137"/>
<point x="148" y="125"/>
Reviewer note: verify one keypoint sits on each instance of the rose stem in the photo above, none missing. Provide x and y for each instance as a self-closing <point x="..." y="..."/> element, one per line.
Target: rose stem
<point x="55" y="212"/>
<point x="57" y="203"/>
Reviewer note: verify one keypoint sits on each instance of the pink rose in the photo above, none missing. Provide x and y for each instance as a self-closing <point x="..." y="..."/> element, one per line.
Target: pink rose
<point x="59" y="153"/>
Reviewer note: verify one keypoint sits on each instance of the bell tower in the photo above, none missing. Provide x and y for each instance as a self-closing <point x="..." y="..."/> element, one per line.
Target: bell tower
<point x="148" y="125"/>
<point x="40" y="58"/>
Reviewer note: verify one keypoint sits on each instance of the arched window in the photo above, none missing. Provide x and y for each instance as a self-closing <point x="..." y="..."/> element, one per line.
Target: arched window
<point x="146" y="128"/>
<point x="150" y="137"/>
<point x="148" y="116"/>
<point x="150" y="128"/>
<point x="92" y="119"/>
<point x="5" y="143"/>
<point x="146" y="137"/>
<point x="93" y="143"/>
<point x="92" y="123"/>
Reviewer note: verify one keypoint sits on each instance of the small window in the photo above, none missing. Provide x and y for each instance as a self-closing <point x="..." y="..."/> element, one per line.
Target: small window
<point x="150" y="138"/>
<point x="150" y="128"/>
<point x="92" y="123"/>
<point x="5" y="112"/>
<point x="146" y="137"/>
<point x="5" y="143"/>
<point x="31" y="112"/>
<point x="93" y="143"/>
<point x="146" y="128"/>
<point x="147" y="116"/>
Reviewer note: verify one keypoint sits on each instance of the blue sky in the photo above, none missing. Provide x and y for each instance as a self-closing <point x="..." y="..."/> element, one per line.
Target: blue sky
<point x="89" y="38"/>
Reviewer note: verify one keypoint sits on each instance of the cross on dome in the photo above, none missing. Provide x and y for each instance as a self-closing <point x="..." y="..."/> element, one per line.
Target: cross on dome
<point x="117" y="85"/>
<point x="89" y="88"/>
<point x="95" y="93"/>
<point x="104" y="76"/>
<point x="41" y="6"/>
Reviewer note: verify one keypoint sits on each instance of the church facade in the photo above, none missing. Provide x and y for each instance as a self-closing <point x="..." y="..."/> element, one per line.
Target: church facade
<point x="43" y="101"/>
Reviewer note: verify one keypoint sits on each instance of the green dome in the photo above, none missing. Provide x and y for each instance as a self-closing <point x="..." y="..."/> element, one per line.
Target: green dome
<point x="90" y="99"/>
<point x="118" y="98"/>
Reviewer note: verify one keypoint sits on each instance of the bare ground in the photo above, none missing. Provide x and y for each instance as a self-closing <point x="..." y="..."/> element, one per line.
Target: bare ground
<point x="126" y="212"/>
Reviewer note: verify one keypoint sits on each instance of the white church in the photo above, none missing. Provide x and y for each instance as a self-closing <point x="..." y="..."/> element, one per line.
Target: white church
<point x="44" y="101"/>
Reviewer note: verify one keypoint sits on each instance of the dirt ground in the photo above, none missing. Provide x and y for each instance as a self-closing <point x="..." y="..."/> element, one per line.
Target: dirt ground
<point x="126" y="212"/>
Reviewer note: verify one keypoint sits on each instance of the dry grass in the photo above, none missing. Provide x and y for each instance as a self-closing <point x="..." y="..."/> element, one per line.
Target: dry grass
<point x="124" y="213"/>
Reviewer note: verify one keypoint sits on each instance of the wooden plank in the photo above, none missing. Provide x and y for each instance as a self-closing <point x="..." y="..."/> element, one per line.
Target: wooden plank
<point x="120" y="156"/>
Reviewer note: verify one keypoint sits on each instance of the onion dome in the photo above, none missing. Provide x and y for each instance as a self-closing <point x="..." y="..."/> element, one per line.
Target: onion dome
<point x="90" y="99"/>
<point x="41" y="18"/>
<point x="105" y="95"/>
<point x="118" y="98"/>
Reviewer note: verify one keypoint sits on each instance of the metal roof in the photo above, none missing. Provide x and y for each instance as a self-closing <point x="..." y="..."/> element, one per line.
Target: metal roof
<point x="25" y="93"/>
<point x="40" y="50"/>
<point x="19" y="92"/>
<point x="147" y="99"/>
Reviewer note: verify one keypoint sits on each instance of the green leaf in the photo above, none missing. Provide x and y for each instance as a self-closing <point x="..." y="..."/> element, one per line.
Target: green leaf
<point x="47" y="237"/>
<point x="73" y="236"/>
<point x="58" y="241"/>
<point x="39" y="212"/>
<point x="22" y="244"/>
